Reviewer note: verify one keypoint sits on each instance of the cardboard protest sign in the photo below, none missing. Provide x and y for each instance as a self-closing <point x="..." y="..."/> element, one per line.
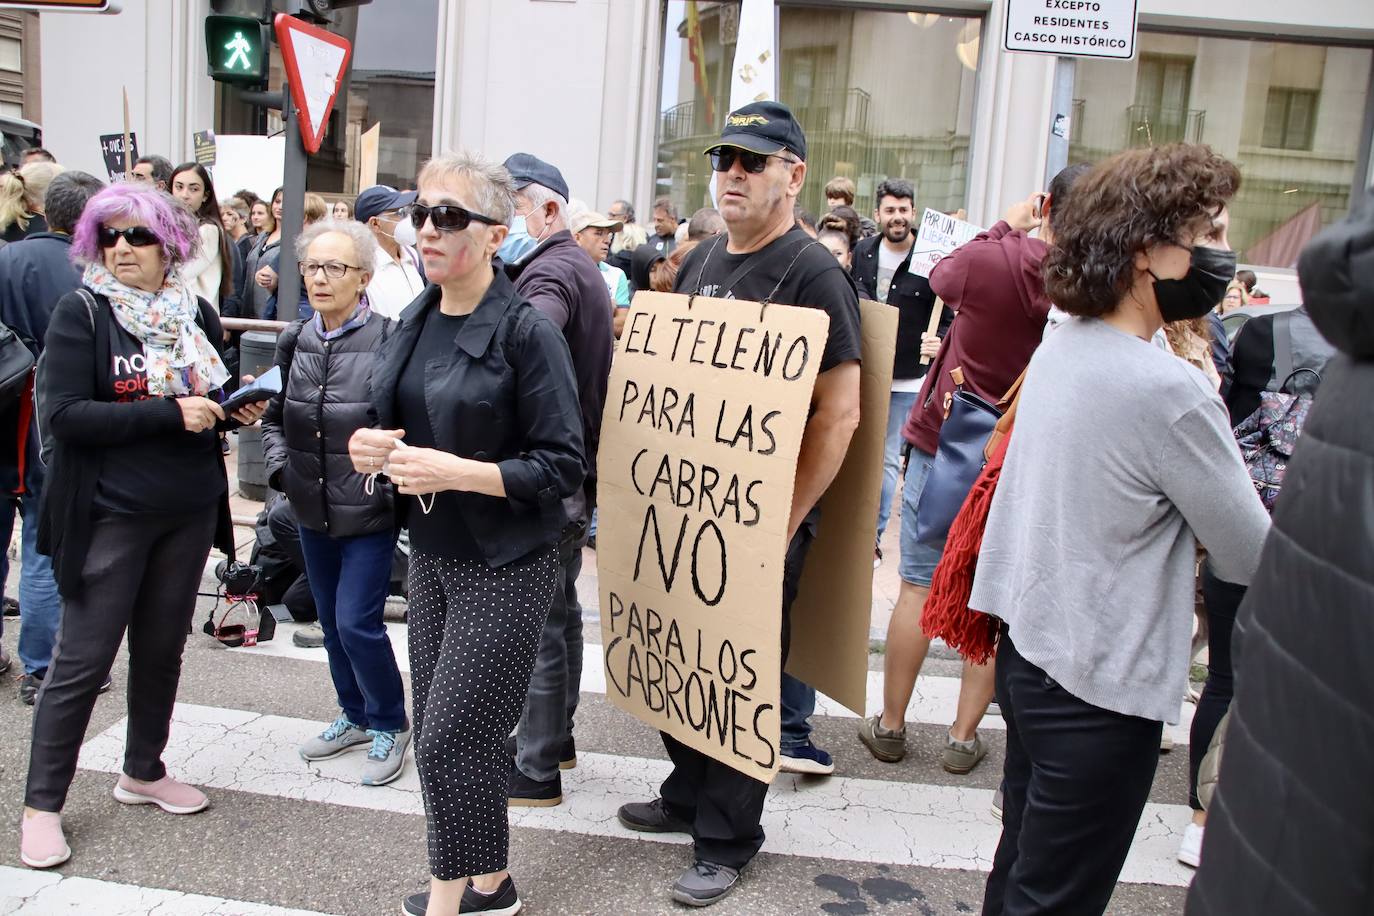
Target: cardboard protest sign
<point x="831" y="615"/>
<point x="705" y="411"/>
<point x="117" y="155"/>
<point x="938" y="235"/>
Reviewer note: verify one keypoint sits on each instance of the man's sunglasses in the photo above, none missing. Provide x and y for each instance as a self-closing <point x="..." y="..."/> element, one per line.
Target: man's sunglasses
<point x="137" y="236"/>
<point x="723" y="159"/>
<point x="447" y="217"/>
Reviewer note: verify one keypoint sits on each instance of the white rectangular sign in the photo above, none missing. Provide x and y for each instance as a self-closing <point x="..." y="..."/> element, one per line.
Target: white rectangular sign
<point x="938" y="235"/>
<point x="1072" y="28"/>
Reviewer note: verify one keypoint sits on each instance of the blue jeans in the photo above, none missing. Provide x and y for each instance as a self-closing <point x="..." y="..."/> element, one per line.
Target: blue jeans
<point x="798" y="702"/>
<point x="918" y="561"/>
<point x="40" y="608"/>
<point x="899" y="407"/>
<point x="348" y="577"/>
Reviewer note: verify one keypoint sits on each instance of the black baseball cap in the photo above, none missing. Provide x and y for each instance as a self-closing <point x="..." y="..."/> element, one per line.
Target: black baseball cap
<point x="526" y="170"/>
<point x="763" y="127"/>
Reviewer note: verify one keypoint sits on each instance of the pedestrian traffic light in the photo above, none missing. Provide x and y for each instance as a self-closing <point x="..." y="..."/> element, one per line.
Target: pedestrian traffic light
<point x="236" y="48"/>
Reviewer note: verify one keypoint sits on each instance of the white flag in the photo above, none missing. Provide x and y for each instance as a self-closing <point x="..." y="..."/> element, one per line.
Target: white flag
<point x="754" y="75"/>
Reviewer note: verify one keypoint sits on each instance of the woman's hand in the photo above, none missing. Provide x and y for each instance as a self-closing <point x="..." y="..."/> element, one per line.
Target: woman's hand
<point x="249" y="414"/>
<point x="369" y="449"/>
<point x="930" y="345"/>
<point x="199" y="414"/>
<point x="416" y="471"/>
<point x="266" y="277"/>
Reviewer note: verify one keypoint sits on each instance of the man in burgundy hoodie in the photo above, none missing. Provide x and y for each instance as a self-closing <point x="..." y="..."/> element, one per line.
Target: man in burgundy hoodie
<point x="994" y="285"/>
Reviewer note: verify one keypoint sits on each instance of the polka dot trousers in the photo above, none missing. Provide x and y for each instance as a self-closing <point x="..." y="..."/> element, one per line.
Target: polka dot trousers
<point x="473" y="632"/>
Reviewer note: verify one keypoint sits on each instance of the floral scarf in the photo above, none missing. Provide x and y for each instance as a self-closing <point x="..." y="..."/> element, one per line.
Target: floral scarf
<point x="181" y="358"/>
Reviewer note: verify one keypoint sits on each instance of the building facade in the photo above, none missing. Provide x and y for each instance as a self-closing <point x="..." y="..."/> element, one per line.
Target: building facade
<point x="624" y="95"/>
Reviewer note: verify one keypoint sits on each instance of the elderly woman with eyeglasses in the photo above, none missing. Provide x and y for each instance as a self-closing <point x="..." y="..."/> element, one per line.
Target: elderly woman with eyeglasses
<point x="347" y="523"/>
<point x="479" y="429"/>
<point x="136" y="495"/>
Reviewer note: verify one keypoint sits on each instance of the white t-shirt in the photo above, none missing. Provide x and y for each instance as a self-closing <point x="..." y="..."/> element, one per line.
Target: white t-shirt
<point x="888" y="262"/>
<point x="394" y="284"/>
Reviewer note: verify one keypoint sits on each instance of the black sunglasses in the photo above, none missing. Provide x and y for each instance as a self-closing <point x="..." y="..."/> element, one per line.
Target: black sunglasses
<point x="447" y="217"/>
<point x="723" y="159"/>
<point x="137" y="236"/>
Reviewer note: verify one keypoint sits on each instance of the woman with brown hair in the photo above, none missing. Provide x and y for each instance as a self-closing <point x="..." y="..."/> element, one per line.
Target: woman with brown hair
<point x="1121" y="461"/>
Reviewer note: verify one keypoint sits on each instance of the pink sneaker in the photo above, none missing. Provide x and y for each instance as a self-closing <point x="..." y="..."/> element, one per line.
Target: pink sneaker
<point x="42" y="844"/>
<point x="168" y="794"/>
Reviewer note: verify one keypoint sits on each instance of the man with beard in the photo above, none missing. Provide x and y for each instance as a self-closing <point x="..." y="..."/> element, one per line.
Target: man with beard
<point x="882" y="271"/>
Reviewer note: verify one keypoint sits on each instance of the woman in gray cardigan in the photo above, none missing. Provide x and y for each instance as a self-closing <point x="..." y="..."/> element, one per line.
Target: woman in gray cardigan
<point x="1121" y="460"/>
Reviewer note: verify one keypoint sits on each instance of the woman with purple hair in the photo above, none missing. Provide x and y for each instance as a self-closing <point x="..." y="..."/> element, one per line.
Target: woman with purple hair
<point x="137" y="493"/>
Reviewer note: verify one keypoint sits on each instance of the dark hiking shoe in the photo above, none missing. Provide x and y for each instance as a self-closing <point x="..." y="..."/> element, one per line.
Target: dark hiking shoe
<point x="651" y="817"/>
<point x="705" y="883"/>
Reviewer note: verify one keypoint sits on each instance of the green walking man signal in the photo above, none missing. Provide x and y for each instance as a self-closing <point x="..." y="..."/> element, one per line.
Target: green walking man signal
<point x="236" y="48"/>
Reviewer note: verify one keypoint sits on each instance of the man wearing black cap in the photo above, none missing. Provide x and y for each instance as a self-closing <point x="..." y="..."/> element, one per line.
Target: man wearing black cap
<point x="561" y="280"/>
<point x="397" y="277"/>
<point x="760" y="164"/>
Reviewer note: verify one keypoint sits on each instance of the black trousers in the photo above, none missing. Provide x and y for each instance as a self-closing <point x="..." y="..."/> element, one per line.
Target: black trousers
<point x="723" y="805"/>
<point x="1076" y="780"/>
<point x="1222" y="601"/>
<point x="140" y="575"/>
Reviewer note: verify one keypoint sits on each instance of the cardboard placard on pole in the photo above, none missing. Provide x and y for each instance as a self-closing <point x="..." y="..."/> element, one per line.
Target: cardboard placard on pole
<point x="205" y="147"/>
<point x="128" y="142"/>
<point x="832" y="613"/>
<point x="707" y="403"/>
<point x="369" y="148"/>
<point x="118" y="151"/>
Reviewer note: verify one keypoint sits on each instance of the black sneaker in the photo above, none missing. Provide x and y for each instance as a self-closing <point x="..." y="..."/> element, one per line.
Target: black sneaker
<point x="504" y="902"/>
<point x="705" y="883"/>
<point x="11" y="606"/>
<point x="28" y="688"/>
<point x="651" y="817"/>
<point x="106" y="684"/>
<point x="530" y="793"/>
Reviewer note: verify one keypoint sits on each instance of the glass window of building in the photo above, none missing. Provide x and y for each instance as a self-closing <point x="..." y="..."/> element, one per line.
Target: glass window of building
<point x="859" y="82"/>
<point x="1289" y="115"/>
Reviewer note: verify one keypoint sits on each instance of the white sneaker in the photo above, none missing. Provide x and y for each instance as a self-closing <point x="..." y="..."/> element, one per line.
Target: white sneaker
<point x="1190" y="850"/>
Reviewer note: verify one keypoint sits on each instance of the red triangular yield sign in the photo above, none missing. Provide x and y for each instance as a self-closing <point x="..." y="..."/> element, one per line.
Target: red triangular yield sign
<point x="315" y="62"/>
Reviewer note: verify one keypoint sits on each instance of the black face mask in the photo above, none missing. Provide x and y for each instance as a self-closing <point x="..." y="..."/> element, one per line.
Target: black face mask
<point x="1209" y="273"/>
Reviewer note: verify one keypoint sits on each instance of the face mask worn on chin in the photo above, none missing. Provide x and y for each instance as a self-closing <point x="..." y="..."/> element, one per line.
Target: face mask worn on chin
<point x="518" y="242"/>
<point x="1198" y="291"/>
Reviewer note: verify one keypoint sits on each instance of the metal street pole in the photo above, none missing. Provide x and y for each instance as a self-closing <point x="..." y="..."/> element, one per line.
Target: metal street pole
<point x="292" y="213"/>
<point x="1061" y="118"/>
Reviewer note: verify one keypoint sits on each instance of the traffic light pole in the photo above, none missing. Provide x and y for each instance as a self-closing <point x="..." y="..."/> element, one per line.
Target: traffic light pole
<point x="292" y="214"/>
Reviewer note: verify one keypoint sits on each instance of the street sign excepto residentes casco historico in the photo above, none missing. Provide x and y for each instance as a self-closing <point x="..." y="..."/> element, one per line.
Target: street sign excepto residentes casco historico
<point x="1072" y="28"/>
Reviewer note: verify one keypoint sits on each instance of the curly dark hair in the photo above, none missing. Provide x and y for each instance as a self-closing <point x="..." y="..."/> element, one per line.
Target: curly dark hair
<point x="1126" y="204"/>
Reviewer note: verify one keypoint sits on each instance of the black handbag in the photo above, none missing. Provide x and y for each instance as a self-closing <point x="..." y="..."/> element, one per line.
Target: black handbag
<point x="959" y="458"/>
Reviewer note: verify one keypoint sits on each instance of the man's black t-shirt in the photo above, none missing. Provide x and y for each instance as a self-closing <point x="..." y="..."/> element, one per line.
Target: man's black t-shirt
<point x="442" y="531"/>
<point x="809" y="275"/>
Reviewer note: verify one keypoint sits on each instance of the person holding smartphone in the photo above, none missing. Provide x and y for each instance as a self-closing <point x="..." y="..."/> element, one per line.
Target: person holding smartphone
<point x="137" y="495"/>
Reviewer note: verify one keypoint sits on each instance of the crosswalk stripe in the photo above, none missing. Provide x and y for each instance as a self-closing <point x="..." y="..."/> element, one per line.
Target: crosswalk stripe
<point x="33" y="893"/>
<point x="933" y="702"/>
<point x="843" y="818"/>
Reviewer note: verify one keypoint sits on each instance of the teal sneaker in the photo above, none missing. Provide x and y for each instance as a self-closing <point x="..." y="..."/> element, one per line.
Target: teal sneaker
<point x="339" y="738"/>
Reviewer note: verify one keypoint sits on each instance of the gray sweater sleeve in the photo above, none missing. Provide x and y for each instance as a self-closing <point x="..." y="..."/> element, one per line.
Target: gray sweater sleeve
<point x="1201" y="471"/>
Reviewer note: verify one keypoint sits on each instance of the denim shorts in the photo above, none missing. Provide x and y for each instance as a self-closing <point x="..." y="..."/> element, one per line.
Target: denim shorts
<point x="918" y="560"/>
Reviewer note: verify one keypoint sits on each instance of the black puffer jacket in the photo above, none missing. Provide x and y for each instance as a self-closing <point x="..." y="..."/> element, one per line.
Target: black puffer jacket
<point x="1291" y="828"/>
<point x="305" y="431"/>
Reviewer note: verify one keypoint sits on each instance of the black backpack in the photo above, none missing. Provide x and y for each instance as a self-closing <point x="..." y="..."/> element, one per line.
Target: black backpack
<point x="16" y="367"/>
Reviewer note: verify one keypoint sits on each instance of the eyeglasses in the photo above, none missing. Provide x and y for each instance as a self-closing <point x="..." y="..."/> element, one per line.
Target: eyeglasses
<point x="723" y="159"/>
<point x="137" y="236"/>
<point x="448" y="217"/>
<point x="334" y="270"/>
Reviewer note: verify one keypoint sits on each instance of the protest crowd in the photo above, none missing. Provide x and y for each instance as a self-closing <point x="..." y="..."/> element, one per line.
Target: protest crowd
<point x="1094" y="478"/>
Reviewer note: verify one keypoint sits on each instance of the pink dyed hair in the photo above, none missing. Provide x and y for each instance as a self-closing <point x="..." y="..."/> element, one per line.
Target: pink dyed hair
<point x="167" y="218"/>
